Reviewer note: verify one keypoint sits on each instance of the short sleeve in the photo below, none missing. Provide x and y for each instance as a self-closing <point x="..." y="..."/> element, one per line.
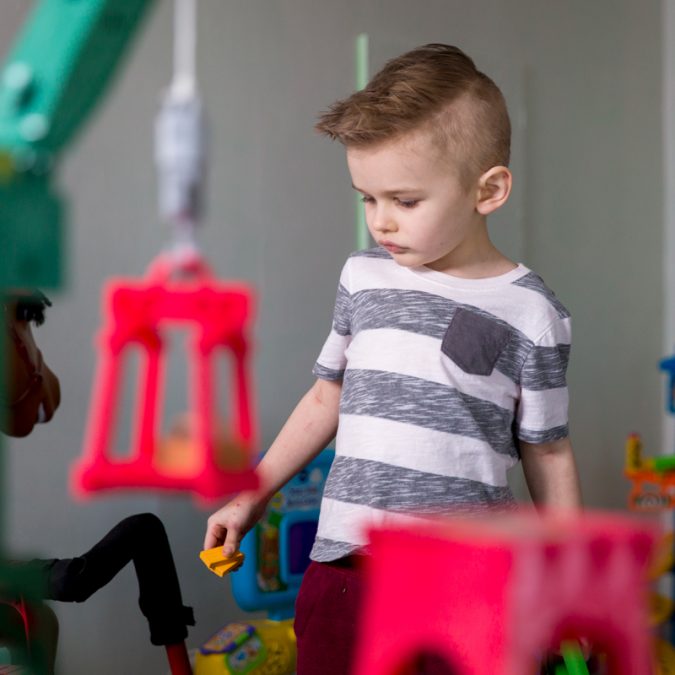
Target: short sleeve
<point x="332" y="360"/>
<point x="542" y="412"/>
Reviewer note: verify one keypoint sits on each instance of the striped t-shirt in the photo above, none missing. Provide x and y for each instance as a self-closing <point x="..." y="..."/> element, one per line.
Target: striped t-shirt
<point x="440" y="377"/>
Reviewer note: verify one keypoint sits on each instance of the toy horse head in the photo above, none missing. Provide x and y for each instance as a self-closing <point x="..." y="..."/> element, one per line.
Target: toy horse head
<point x="31" y="393"/>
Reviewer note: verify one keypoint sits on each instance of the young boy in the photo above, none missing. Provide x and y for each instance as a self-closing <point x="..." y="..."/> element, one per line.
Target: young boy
<point x="446" y="361"/>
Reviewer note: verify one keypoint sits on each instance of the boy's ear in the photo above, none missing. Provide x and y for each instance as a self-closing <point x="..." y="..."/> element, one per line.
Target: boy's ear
<point x="494" y="188"/>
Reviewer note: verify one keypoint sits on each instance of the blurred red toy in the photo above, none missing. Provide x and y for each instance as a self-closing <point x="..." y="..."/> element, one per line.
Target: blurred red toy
<point x="137" y="314"/>
<point x="492" y="596"/>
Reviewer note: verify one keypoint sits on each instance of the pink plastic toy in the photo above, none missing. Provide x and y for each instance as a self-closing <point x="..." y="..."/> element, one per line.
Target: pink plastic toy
<point x="136" y="315"/>
<point x="491" y="596"/>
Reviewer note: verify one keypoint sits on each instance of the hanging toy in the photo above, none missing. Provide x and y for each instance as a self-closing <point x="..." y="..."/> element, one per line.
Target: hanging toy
<point x="200" y="454"/>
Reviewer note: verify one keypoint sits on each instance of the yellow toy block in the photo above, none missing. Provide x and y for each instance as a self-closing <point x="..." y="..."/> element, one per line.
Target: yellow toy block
<point x="214" y="559"/>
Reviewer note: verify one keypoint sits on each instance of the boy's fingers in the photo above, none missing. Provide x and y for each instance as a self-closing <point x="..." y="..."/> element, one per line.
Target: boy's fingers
<point x="231" y="542"/>
<point x="214" y="536"/>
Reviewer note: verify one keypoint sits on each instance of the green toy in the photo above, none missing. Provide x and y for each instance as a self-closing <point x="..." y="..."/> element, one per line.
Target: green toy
<point x="574" y="662"/>
<point x="59" y="67"/>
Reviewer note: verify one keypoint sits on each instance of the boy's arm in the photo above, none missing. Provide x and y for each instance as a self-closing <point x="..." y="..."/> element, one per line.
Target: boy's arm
<point x="307" y="431"/>
<point x="551" y="474"/>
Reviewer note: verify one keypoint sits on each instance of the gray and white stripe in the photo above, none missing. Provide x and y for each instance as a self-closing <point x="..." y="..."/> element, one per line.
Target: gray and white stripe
<point x="430" y="417"/>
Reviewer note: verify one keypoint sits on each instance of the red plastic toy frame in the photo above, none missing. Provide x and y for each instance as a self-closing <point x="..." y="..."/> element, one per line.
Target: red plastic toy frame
<point x="134" y="313"/>
<point x="490" y="596"/>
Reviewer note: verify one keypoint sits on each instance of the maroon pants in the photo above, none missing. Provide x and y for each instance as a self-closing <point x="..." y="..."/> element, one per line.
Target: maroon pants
<point x="326" y="622"/>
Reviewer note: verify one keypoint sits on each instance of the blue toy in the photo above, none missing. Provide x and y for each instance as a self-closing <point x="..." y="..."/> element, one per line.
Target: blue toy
<point x="276" y="555"/>
<point x="668" y="365"/>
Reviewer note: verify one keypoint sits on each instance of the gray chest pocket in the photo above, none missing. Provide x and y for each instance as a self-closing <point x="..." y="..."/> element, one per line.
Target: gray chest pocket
<point x="474" y="342"/>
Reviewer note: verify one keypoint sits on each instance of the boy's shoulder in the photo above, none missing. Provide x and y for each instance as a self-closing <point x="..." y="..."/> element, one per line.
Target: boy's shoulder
<point x="546" y="297"/>
<point x="523" y="298"/>
<point x="369" y="261"/>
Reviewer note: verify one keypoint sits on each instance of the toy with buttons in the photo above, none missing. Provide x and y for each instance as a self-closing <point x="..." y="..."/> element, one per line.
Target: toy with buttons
<point x="268" y="570"/>
<point x="653" y="491"/>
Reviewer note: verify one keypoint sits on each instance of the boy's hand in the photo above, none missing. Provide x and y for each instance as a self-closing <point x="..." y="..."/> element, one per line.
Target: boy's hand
<point x="228" y="525"/>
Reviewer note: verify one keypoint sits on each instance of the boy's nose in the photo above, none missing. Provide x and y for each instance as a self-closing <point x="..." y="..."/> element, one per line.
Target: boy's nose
<point x="384" y="223"/>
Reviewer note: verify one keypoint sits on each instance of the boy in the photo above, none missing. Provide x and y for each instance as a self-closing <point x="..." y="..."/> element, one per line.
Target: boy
<point x="446" y="362"/>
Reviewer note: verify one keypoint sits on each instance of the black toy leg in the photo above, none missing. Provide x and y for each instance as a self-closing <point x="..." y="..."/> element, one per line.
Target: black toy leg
<point x="143" y="540"/>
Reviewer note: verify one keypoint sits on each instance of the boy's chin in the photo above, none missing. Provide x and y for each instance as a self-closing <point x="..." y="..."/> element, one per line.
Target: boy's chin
<point x="408" y="260"/>
<point x="404" y="257"/>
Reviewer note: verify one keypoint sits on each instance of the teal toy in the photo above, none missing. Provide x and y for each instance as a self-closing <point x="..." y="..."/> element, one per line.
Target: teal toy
<point x="57" y="70"/>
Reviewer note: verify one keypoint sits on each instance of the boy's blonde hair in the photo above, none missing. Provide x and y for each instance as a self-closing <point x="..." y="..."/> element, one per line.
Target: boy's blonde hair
<point x="434" y="88"/>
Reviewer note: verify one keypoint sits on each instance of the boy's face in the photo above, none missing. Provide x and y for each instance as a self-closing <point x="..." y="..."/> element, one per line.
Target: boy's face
<point x="416" y="205"/>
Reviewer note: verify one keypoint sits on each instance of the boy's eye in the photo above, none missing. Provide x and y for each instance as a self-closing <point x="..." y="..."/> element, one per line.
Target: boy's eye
<point x="367" y="200"/>
<point x="408" y="203"/>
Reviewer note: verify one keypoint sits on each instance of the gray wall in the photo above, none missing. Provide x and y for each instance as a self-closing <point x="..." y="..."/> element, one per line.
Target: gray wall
<point x="583" y="81"/>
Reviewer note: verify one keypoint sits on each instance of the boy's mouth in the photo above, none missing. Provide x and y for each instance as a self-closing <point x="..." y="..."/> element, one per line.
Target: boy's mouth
<point x="391" y="247"/>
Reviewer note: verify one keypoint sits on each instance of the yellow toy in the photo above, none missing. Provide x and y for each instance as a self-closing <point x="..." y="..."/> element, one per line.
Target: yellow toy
<point x="214" y="559"/>
<point x="653" y="478"/>
<point x="261" y="647"/>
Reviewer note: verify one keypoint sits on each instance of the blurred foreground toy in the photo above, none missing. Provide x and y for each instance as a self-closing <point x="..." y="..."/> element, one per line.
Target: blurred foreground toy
<point x="138" y="314"/>
<point x="261" y="647"/>
<point x="179" y="291"/>
<point x="497" y="592"/>
<point x="277" y="555"/>
<point x="57" y="70"/>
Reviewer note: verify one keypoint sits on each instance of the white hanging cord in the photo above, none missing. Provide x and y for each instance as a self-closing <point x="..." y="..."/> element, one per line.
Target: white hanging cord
<point x="179" y="137"/>
<point x="185" y="42"/>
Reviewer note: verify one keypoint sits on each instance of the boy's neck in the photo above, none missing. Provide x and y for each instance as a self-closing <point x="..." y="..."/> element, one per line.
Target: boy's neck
<point x="481" y="269"/>
<point x="475" y="259"/>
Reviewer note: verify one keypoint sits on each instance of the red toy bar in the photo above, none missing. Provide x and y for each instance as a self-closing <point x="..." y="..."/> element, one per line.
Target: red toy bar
<point x="136" y="315"/>
<point x="491" y="596"/>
